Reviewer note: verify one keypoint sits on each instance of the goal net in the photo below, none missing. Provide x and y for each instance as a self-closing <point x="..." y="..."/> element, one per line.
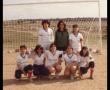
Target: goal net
<point x="22" y="29"/>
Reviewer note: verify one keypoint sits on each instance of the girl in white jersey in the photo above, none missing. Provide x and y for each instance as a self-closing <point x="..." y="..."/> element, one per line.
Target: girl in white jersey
<point x="53" y="62"/>
<point x="39" y="58"/>
<point x="22" y="66"/>
<point x="71" y="63"/>
<point x="86" y="62"/>
<point x="75" y="39"/>
<point x="45" y="35"/>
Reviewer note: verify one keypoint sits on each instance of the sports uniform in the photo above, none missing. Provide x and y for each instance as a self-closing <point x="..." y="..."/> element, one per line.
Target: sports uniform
<point x="75" y="41"/>
<point x="69" y="58"/>
<point x="38" y="65"/>
<point x="52" y="58"/>
<point x="45" y="38"/>
<point x="24" y="66"/>
<point x="85" y="63"/>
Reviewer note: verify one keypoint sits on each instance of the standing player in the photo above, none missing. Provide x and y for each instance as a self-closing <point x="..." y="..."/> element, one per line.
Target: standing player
<point x="61" y="36"/>
<point x="76" y="39"/>
<point x="22" y="66"/>
<point x="45" y="35"/>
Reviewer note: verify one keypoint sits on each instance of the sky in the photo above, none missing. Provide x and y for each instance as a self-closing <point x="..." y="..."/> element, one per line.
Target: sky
<point x="41" y="11"/>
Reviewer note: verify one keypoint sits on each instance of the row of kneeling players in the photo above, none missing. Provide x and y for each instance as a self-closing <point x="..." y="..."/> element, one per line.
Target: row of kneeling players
<point x="46" y="62"/>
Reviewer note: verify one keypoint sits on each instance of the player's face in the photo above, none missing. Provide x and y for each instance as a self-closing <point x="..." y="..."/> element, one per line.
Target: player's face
<point x="39" y="50"/>
<point x="45" y="25"/>
<point x="69" y="50"/>
<point x="76" y="30"/>
<point x="85" y="51"/>
<point x="53" y="48"/>
<point x="61" y="25"/>
<point x="23" y="50"/>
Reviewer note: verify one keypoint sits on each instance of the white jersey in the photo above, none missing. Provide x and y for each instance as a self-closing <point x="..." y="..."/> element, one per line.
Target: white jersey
<point x="45" y="37"/>
<point x="22" y="60"/>
<point x="76" y="45"/>
<point x="84" y="61"/>
<point x="69" y="58"/>
<point x="52" y="58"/>
<point x="39" y="60"/>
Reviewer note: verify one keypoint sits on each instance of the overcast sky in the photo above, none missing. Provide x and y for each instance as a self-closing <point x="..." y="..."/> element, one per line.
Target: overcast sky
<point x="65" y="10"/>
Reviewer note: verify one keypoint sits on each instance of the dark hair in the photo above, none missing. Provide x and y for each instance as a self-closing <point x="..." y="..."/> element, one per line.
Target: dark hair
<point x="23" y="46"/>
<point x="58" y="25"/>
<point x="38" y="47"/>
<point x="75" y="26"/>
<point x="51" y="45"/>
<point x="45" y="21"/>
<point x="81" y="52"/>
<point x="69" y="47"/>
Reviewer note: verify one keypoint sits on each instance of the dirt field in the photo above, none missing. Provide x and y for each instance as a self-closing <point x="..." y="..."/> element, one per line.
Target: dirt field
<point x="99" y="82"/>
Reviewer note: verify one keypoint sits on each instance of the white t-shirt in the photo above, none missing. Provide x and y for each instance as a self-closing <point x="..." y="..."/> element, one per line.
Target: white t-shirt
<point x="22" y="60"/>
<point x="39" y="60"/>
<point x="84" y="61"/>
<point x="52" y="59"/>
<point x="45" y="37"/>
<point x="69" y="58"/>
<point x="76" y="45"/>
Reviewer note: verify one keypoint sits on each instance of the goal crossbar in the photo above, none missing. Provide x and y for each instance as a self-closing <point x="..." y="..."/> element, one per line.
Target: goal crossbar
<point x="55" y="2"/>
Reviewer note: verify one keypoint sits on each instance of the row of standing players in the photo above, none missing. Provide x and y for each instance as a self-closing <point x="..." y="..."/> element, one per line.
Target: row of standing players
<point x="47" y="56"/>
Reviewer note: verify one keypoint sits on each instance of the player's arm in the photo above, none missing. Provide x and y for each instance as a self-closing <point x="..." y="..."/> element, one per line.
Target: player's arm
<point x="52" y="36"/>
<point x="44" y="61"/>
<point x="70" y="40"/>
<point x="75" y="60"/>
<point x="18" y="62"/>
<point x="81" y="40"/>
<point x="65" y="62"/>
<point x="19" y="66"/>
<point x="40" y="36"/>
<point x="59" y="61"/>
<point x="87" y="61"/>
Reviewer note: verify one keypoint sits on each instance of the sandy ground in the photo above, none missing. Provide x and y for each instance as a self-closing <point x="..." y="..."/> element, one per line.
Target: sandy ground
<point x="99" y="82"/>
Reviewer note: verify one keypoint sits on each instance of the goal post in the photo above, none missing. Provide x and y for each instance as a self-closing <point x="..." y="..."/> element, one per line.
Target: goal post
<point x="24" y="31"/>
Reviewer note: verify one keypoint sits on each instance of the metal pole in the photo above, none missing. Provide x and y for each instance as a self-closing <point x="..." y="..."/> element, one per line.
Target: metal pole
<point x="55" y="2"/>
<point x="100" y="29"/>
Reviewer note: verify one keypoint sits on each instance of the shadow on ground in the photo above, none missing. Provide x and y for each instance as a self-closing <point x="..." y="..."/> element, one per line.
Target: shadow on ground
<point x="24" y="81"/>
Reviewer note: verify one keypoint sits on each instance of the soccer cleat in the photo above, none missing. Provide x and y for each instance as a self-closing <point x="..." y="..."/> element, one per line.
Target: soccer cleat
<point x="91" y="78"/>
<point x="51" y="77"/>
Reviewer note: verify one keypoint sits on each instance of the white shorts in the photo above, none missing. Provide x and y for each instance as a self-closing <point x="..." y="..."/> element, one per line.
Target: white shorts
<point x="76" y="50"/>
<point x="46" y="46"/>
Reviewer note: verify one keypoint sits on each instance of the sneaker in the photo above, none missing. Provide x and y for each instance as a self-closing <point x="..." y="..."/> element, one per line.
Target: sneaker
<point x="25" y="74"/>
<point x="30" y="79"/>
<point x="50" y="77"/>
<point x="91" y="78"/>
